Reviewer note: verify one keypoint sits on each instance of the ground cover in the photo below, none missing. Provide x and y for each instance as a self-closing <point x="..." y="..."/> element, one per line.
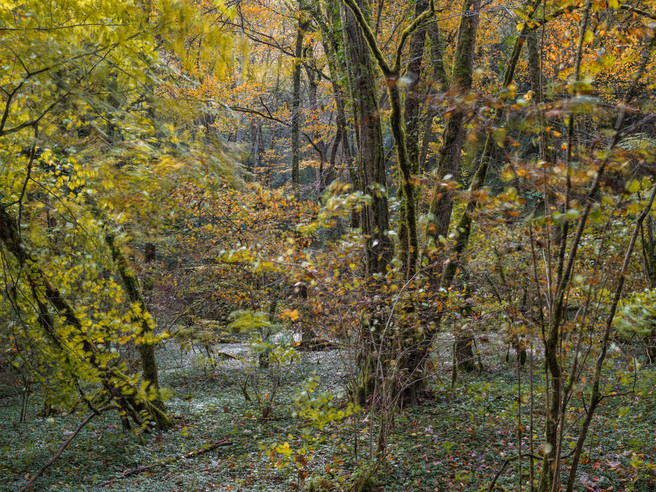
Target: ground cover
<point x="456" y="438"/>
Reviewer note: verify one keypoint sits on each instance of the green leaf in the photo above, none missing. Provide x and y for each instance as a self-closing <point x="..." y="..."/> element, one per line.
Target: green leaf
<point x="633" y="186"/>
<point x="588" y="37"/>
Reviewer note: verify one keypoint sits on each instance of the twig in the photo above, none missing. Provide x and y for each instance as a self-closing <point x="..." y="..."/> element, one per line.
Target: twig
<point x="64" y="446"/>
<point x="191" y="454"/>
<point x="505" y="464"/>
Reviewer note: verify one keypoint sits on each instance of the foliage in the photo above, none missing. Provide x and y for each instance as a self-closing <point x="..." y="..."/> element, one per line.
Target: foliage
<point x="637" y="317"/>
<point x="491" y="203"/>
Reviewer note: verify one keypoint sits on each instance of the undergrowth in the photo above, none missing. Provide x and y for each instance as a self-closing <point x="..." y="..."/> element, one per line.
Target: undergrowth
<point x="453" y="439"/>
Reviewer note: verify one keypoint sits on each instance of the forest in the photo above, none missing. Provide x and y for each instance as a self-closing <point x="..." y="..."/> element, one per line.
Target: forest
<point x="329" y="245"/>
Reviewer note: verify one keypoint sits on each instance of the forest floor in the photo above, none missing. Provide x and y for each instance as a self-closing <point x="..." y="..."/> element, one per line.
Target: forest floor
<point x="450" y="440"/>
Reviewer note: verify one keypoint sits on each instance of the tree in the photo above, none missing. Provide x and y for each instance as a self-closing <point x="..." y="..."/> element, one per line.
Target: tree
<point x="80" y="79"/>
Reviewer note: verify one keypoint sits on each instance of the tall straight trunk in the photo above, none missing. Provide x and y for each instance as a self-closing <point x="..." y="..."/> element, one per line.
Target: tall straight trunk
<point x="371" y="178"/>
<point x="411" y="117"/>
<point x="369" y="137"/>
<point x="448" y="161"/>
<point x="413" y="97"/>
<point x="440" y="78"/>
<point x="296" y="102"/>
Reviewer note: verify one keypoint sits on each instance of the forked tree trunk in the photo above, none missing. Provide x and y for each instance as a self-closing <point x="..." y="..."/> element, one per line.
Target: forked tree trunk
<point x="418" y="356"/>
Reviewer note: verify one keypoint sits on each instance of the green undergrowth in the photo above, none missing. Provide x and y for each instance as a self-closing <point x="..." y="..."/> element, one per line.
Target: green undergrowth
<point x="450" y="440"/>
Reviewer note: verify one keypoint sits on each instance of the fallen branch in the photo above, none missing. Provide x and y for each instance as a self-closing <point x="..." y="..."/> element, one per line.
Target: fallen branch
<point x="191" y="454"/>
<point x="505" y="464"/>
<point x="64" y="446"/>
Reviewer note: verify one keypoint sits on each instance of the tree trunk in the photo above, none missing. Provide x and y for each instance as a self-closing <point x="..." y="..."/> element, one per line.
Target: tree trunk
<point x="418" y="355"/>
<point x="440" y="78"/>
<point x="146" y="341"/>
<point x="464" y="350"/>
<point x="296" y="102"/>
<point x="448" y="161"/>
<point x="408" y="250"/>
<point x="374" y="219"/>
<point x="413" y="97"/>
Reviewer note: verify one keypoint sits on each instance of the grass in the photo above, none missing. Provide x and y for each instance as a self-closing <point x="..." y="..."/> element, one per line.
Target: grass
<point x="448" y="441"/>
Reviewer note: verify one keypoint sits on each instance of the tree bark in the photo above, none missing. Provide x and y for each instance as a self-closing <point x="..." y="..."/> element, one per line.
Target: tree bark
<point x="441" y="79"/>
<point x="408" y="252"/>
<point x="417" y="357"/>
<point x="146" y="340"/>
<point x="413" y="97"/>
<point x="448" y="161"/>
<point x="296" y="101"/>
<point x="374" y="219"/>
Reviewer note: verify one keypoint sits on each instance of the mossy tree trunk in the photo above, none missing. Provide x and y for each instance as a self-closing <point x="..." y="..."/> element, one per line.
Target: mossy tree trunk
<point x="372" y="178"/>
<point x="418" y="356"/>
<point x="449" y="156"/>
<point x="412" y="111"/>
<point x="146" y="339"/>
<point x="440" y="82"/>
<point x="85" y="364"/>
<point x="408" y="222"/>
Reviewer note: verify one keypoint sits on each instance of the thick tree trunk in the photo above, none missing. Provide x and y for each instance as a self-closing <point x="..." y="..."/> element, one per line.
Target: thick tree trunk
<point x="409" y="246"/>
<point x="464" y="351"/>
<point x="448" y="162"/>
<point x="369" y="137"/>
<point x="371" y="178"/>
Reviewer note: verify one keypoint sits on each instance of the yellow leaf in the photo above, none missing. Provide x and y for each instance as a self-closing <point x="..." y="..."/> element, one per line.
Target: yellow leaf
<point x="588" y="37"/>
<point x="292" y="314"/>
